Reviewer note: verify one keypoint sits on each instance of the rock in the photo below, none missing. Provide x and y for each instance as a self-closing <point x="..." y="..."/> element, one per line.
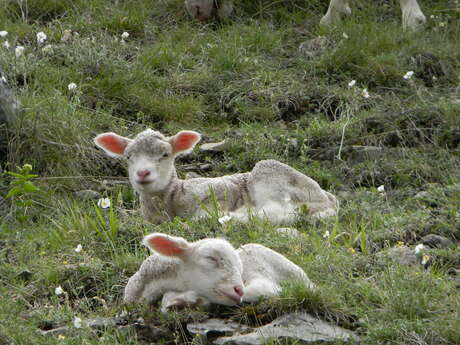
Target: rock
<point x="358" y="153"/>
<point x="288" y="232"/>
<point x="213" y="328"/>
<point x="88" y="194"/>
<point x="234" y="133"/>
<point x="298" y="327"/>
<point x="315" y="47"/>
<point x="105" y="322"/>
<point x="402" y="255"/>
<point x="436" y="241"/>
<point x="57" y="331"/>
<point x="423" y="195"/>
<point x="214" y="147"/>
<point x="205" y="167"/>
<point x="191" y="174"/>
<point x="25" y="275"/>
<point x="9" y="106"/>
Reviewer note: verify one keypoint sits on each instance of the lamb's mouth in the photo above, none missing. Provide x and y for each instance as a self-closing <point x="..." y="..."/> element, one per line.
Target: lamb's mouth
<point x="143" y="183"/>
<point x="235" y="298"/>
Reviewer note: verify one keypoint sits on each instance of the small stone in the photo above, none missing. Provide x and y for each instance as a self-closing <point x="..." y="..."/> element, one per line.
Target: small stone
<point x="358" y="153"/>
<point x="57" y="331"/>
<point x="87" y="194"/>
<point x="213" y="328"/>
<point x="105" y="322"/>
<point x="315" y="47"/>
<point x="205" y="167"/>
<point x="214" y="147"/>
<point x="191" y="174"/>
<point x="25" y="275"/>
<point x="402" y="255"/>
<point x="423" y="195"/>
<point x="234" y="133"/>
<point x="436" y="241"/>
<point x="288" y="232"/>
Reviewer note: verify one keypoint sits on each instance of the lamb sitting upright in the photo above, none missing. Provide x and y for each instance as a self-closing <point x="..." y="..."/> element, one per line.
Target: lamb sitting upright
<point x="272" y="189"/>
<point x="208" y="271"/>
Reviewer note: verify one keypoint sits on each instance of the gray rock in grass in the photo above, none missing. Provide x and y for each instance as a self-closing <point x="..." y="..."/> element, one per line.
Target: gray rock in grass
<point x="297" y="327"/>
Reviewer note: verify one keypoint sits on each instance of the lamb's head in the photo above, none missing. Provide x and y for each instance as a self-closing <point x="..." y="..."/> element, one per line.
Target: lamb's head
<point x="150" y="156"/>
<point x="211" y="268"/>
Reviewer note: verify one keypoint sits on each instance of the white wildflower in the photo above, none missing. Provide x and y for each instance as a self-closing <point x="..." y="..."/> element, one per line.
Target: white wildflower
<point x="408" y="75"/>
<point x="442" y="24"/>
<point x="326" y="234"/>
<point x="365" y="93"/>
<point x="425" y="259"/>
<point x="352" y="83"/>
<point x="59" y="290"/>
<point x="3" y="33"/>
<point x="78" y="249"/>
<point x="41" y="37"/>
<point x="224" y="219"/>
<point x="124" y="35"/>
<point x="418" y="248"/>
<point x="6" y="45"/>
<point x="103" y="203"/>
<point x="344" y="35"/>
<point x="381" y="189"/>
<point x="19" y="51"/>
<point x="77" y="322"/>
<point x="72" y="86"/>
<point x="47" y="49"/>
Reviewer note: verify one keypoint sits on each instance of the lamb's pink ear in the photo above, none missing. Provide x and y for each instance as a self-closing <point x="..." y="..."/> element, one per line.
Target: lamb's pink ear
<point x="184" y="141"/>
<point x="166" y="245"/>
<point x="113" y="144"/>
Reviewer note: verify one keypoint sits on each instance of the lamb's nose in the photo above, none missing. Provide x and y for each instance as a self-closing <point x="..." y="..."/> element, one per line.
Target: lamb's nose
<point x="143" y="173"/>
<point x="238" y="290"/>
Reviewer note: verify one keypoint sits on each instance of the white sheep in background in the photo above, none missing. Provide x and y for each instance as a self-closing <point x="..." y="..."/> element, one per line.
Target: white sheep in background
<point x="205" y="9"/>
<point x="208" y="271"/>
<point x="412" y="15"/>
<point x="272" y="189"/>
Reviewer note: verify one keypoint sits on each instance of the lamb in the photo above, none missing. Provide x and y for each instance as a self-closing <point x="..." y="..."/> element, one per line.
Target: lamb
<point x="412" y="15"/>
<point x="272" y="189"/>
<point x="205" y="9"/>
<point x="208" y="271"/>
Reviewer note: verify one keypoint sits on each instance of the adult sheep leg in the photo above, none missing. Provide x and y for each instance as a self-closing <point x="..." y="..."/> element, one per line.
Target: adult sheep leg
<point x="337" y="9"/>
<point x="412" y="15"/>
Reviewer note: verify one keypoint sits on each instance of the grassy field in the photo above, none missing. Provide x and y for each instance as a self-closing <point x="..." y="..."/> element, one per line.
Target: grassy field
<point x="247" y="81"/>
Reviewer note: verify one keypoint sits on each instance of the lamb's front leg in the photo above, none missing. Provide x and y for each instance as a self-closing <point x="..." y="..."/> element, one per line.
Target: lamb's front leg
<point x="259" y="287"/>
<point x="412" y="15"/>
<point x="153" y="210"/>
<point x="180" y="300"/>
<point x="337" y="9"/>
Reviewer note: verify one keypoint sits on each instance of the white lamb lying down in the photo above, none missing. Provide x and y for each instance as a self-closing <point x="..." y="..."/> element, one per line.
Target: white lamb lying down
<point x="209" y="271"/>
<point x="272" y="189"/>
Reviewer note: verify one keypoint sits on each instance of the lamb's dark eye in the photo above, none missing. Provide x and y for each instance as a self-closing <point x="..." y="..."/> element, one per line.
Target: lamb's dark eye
<point x="165" y="155"/>
<point x="213" y="259"/>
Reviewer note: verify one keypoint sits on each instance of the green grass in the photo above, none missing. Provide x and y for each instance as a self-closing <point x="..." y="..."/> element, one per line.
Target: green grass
<point x="245" y="74"/>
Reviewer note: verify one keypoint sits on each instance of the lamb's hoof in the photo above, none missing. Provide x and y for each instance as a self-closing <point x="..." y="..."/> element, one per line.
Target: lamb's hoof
<point x="333" y="17"/>
<point x="413" y="20"/>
